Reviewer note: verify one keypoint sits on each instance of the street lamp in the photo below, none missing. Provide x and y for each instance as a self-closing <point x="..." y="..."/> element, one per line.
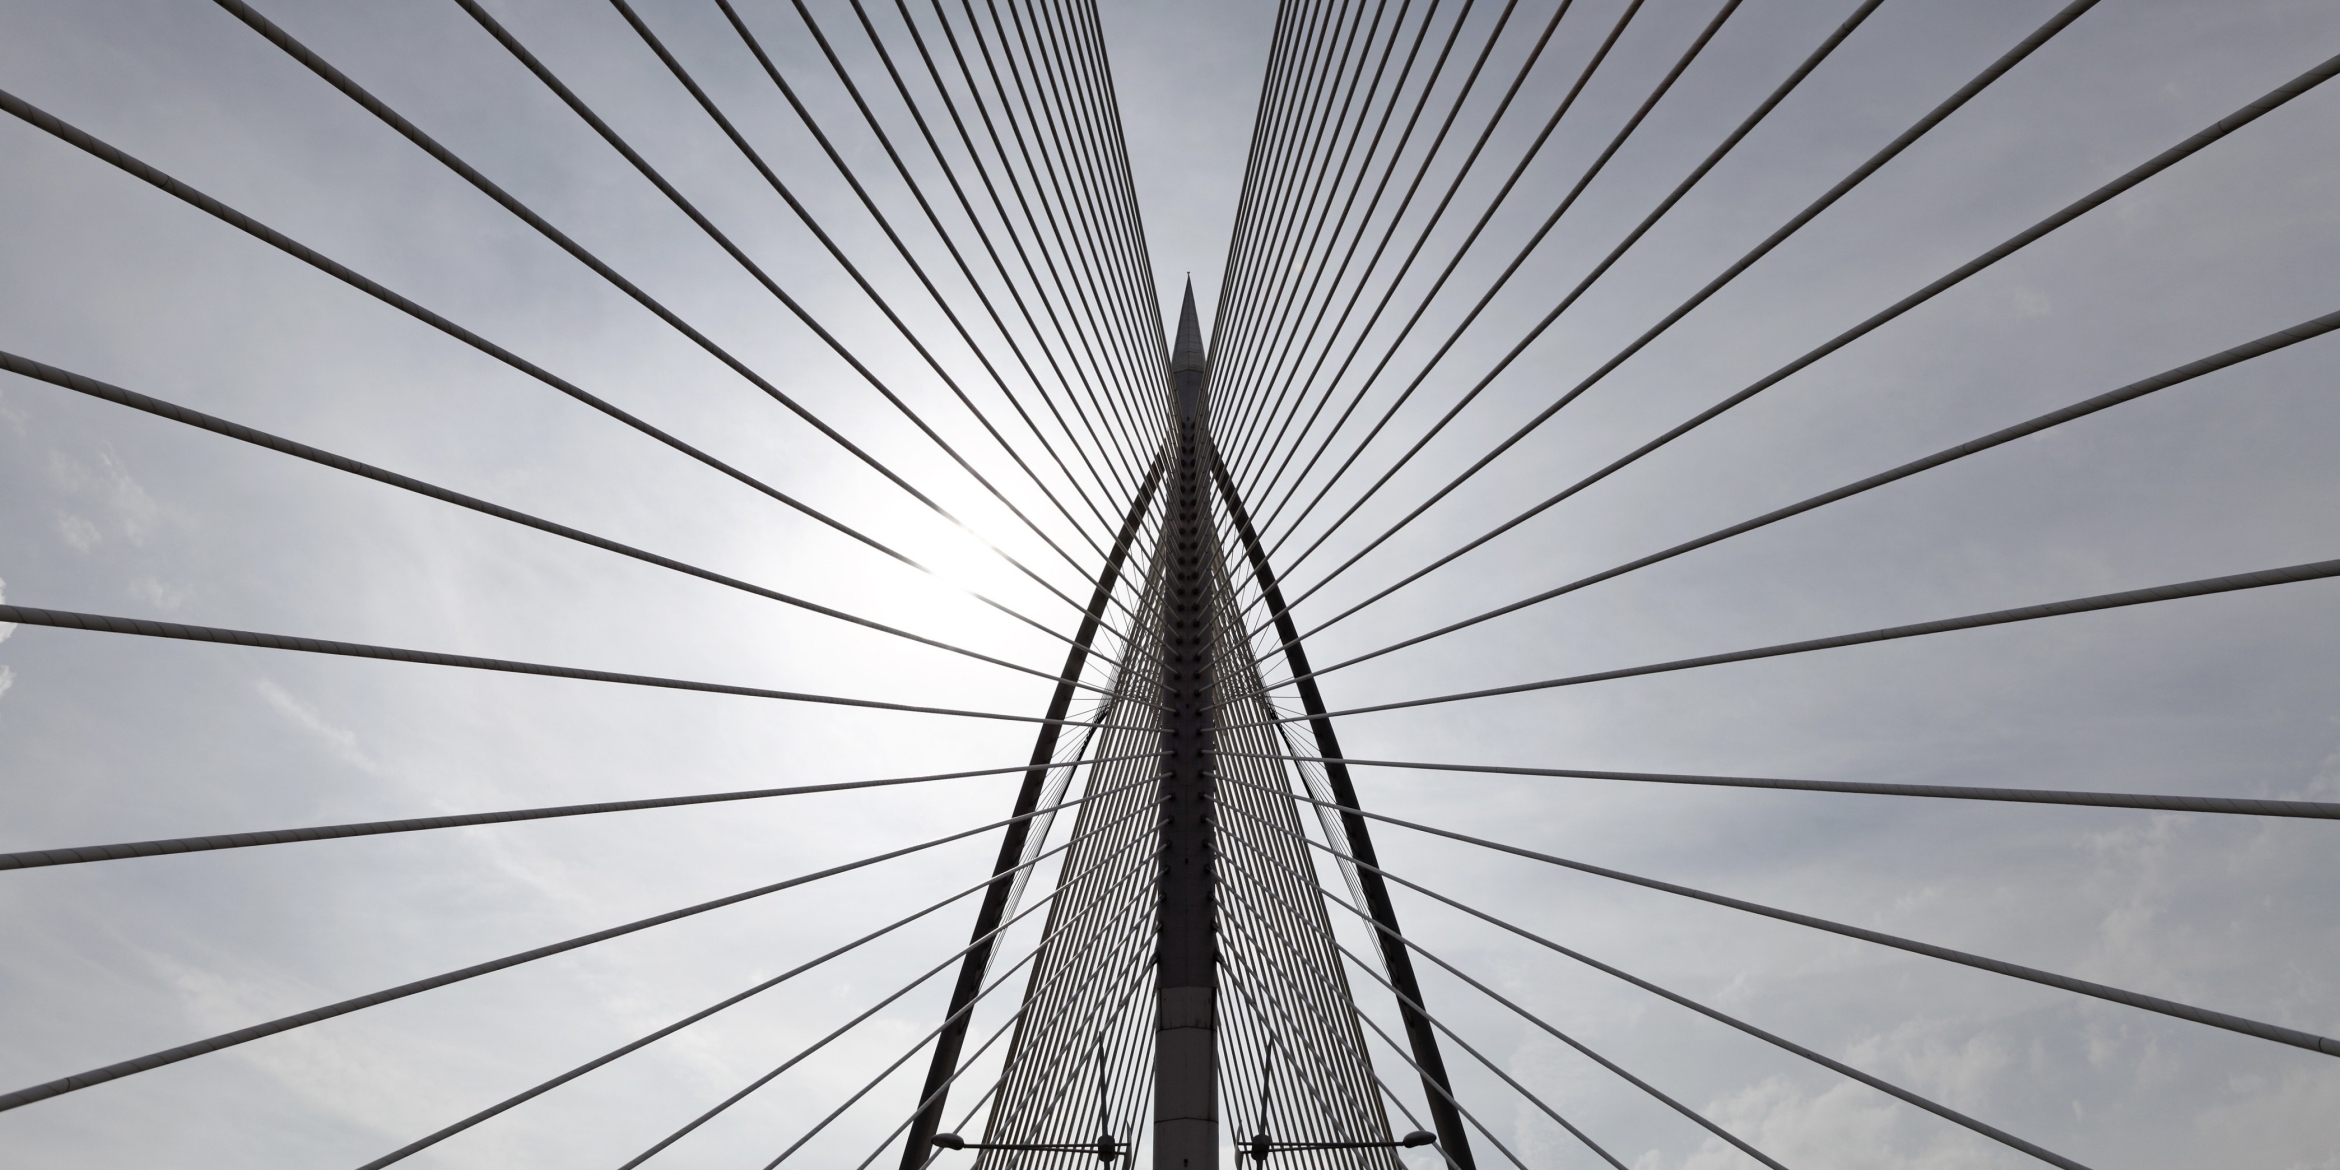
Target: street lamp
<point x="1262" y="1145"/>
<point x="1105" y="1147"/>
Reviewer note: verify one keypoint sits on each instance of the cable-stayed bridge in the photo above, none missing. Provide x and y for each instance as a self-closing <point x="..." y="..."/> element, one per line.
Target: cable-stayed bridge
<point x="1029" y="500"/>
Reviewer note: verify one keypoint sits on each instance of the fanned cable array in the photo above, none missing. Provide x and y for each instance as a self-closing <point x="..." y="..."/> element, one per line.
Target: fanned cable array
<point x="1187" y="949"/>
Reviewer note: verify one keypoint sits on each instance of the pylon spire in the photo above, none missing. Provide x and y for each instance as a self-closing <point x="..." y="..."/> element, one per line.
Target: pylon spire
<point x="1187" y="352"/>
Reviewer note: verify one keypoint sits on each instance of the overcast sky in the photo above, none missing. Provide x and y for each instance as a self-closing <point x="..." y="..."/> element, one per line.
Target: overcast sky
<point x="102" y="509"/>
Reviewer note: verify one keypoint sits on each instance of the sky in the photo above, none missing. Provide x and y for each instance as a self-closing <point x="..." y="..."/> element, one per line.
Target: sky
<point x="105" y="510"/>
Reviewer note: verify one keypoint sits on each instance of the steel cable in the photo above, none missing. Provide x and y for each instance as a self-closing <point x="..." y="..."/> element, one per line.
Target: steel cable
<point x="1077" y="88"/>
<point x="79" y="854"/>
<point x="1063" y="162"/>
<point x="617" y="142"/>
<point x="259" y="438"/>
<point x="1297" y="351"/>
<point x="1101" y="74"/>
<point x="1138" y="965"/>
<point x="427" y="1141"/>
<point x="2233" y="805"/>
<point x="1932" y="118"/>
<point x="1273" y="338"/>
<point x="1121" y="471"/>
<point x="2196" y="142"/>
<point x="1298" y="968"/>
<point x="107" y="153"/>
<point x="1288" y="246"/>
<point x="1413" y="187"/>
<point x="1991" y="73"/>
<point x="407" y="129"/>
<point x="1535" y="240"/>
<point x="1411" y="1119"/>
<point x="1113" y="224"/>
<point x="885" y="225"/>
<point x="153" y="1060"/>
<point x="2280" y="339"/>
<point x="1836" y="1066"/>
<point x="849" y="1025"/>
<point x="1255" y="303"/>
<point x="1467" y="1115"/>
<point x="1015" y="1018"/>
<point x="1466" y="1046"/>
<point x="904" y="1058"/>
<point x="878" y="130"/>
<point x="1462" y="172"/>
<point x="934" y="222"/>
<point x="1747" y="125"/>
<point x="2216" y="1019"/>
<point x="1652" y="1091"/>
<point x="2259" y="579"/>
<point x="1247" y="191"/>
<point x="1567" y="102"/>
<point x="1099" y="338"/>
<point x="143" y="627"/>
<point x="1240" y="977"/>
<point x="1380" y="191"/>
<point x="1295" y="56"/>
<point x="1097" y="359"/>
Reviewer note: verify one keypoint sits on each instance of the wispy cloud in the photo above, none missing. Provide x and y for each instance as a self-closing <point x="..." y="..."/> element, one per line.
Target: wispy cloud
<point x="340" y="741"/>
<point x="160" y="594"/>
<point x="79" y="532"/>
<point x="108" y="488"/>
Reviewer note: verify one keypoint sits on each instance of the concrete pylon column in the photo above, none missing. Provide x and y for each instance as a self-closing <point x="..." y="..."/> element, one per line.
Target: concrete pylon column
<point x="1186" y="1054"/>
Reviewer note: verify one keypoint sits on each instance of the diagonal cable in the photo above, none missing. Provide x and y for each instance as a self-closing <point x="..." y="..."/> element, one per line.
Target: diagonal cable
<point x="142" y="627"/>
<point x="2216" y="1019"/>
<point x="80" y="854"/>
<point x="1571" y="1041"/>
<point x="2259" y="579"/>
<point x="259" y="438"/>
<point x="2166" y="159"/>
<point x="1836" y="1066"/>
<point x="427" y="1141"/>
<point x="333" y="76"/>
<point x="153" y="1060"/>
<point x="2235" y="805"/>
<point x="107" y="153"/>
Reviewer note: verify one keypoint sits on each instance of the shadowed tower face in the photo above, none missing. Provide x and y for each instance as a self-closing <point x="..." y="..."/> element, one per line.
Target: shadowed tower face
<point x="1186" y="1131"/>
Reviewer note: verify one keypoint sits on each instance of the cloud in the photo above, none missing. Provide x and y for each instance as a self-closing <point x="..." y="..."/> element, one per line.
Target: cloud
<point x="1847" y="1125"/>
<point x="79" y="532"/>
<point x="2325" y="785"/>
<point x="1957" y="1072"/>
<point x="327" y="1074"/>
<point x="153" y="591"/>
<point x="110" y="489"/>
<point x="2259" y="1123"/>
<point x="341" y="742"/>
